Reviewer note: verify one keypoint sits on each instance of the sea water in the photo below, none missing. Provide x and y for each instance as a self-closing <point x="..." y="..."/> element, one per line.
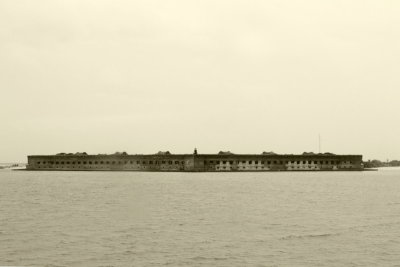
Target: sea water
<point x="200" y="219"/>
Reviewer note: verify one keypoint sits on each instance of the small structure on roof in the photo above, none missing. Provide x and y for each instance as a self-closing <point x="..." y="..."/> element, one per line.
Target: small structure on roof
<point x="225" y="153"/>
<point x="121" y="153"/>
<point x="163" y="153"/>
<point x="268" y="153"/>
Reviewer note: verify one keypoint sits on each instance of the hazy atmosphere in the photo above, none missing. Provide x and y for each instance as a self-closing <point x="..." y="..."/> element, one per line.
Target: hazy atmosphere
<point x="244" y="76"/>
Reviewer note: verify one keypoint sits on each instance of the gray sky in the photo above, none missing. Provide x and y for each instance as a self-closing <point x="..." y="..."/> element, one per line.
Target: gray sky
<point x="246" y="76"/>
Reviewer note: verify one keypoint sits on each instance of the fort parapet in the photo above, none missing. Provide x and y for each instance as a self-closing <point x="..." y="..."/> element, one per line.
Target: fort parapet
<point x="223" y="161"/>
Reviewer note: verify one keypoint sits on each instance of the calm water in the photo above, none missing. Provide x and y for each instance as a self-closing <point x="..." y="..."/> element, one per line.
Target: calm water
<point x="200" y="219"/>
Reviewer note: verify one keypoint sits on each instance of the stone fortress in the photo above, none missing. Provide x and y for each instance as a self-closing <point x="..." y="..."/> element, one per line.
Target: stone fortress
<point x="223" y="161"/>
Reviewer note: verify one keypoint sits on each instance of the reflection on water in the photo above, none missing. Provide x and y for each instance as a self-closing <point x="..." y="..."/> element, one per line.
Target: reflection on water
<point x="200" y="219"/>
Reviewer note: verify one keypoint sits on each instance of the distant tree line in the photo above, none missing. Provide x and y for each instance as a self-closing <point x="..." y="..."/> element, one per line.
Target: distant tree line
<point x="377" y="163"/>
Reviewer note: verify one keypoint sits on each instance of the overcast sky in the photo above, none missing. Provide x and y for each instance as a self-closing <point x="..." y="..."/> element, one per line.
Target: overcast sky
<point x="245" y="76"/>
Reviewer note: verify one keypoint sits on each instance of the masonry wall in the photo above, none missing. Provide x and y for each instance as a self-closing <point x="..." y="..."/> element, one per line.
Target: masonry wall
<point x="201" y="163"/>
<point x="281" y="162"/>
<point x="108" y="162"/>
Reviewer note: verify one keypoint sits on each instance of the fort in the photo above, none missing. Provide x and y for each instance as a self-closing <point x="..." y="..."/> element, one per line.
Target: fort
<point x="223" y="161"/>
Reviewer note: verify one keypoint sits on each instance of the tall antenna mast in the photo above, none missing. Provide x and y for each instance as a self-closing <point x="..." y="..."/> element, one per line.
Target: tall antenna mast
<point x="319" y="143"/>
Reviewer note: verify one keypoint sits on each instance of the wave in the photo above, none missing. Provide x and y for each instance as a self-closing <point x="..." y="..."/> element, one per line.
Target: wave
<point x="324" y="235"/>
<point x="201" y="258"/>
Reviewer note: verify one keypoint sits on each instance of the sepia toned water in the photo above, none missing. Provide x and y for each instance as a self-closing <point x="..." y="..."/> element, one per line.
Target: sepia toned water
<point x="200" y="219"/>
